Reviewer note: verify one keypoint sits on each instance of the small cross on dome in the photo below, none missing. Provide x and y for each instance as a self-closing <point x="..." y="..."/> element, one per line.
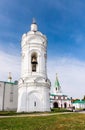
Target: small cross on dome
<point x="34" y="27"/>
<point x="34" y="21"/>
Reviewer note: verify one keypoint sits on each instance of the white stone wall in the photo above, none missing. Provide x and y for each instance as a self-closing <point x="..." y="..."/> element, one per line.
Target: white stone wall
<point x="79" y="105"/>
<point x="8" y="96"/>
<point x="1" y="95"/>
<point x="34" y="99"/>
<point x="10" y="102"/>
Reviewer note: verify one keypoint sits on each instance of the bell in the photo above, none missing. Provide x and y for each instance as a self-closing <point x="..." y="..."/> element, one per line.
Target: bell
<point x="34" y="60"/>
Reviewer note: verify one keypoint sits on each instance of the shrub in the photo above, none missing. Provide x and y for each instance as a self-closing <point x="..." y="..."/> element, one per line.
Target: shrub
<point x="60" y="110"/>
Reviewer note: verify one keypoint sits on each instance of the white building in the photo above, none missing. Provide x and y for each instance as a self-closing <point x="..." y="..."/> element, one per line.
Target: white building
<point x="57" y="98"/>
<point x="34" y="85"/>
<point x="8" y="96"/>
<point x="78" y="104"/>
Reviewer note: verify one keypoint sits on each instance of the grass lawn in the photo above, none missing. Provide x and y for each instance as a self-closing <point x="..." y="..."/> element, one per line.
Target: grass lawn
<point x="72" y="121"/>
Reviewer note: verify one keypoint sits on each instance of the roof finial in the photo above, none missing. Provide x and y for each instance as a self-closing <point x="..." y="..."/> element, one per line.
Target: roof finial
<point x="34" y="27"/>
<point x="56" y="75"/>
<point x="9" y="77"/>
<point x="34" y="21"/>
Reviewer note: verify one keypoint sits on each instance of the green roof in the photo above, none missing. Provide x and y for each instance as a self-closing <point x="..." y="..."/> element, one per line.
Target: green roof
<point x="57" y="84"/>
<point x="79" y="101"/>
<point x="9" y="82"/>
<point x="64" y="95"/>
<point x="53" y="95"/>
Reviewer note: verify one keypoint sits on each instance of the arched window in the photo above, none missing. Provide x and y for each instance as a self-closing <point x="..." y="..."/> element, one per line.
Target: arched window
<point x="34" y="103"/>
<point x="34" y="62"/>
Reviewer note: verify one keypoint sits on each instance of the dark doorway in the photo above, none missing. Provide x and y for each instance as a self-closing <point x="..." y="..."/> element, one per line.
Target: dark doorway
<point x="55" y="105"/>
<point x="65" y="105"/>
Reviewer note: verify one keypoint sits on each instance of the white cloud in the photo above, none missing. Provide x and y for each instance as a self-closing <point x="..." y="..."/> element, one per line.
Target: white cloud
<point x="9" y="63"/>
<point x="71" y="74"/>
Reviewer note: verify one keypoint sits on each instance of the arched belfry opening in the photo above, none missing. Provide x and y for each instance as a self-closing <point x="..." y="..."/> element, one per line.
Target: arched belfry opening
<point x="34" y="62"/>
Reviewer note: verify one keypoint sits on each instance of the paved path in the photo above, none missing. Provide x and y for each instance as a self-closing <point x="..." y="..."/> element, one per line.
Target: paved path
<point x="82" y="112"/>
<point x="33" y="115"/>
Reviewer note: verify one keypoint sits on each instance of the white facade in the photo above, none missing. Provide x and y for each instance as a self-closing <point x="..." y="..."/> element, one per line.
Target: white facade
<point x="8" y="96"/>
<point x="34" y="85"/>
<point x="78" y="104"/>
<point x="58" y="99"/>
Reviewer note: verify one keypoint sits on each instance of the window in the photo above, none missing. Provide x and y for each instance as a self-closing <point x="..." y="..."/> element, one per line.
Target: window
<point x="56" y="97"/>
<point x="61" y="97"/>
<point x="35" y="104"/>
<point x="65" y="97"/>
<point x="11" y="93"/>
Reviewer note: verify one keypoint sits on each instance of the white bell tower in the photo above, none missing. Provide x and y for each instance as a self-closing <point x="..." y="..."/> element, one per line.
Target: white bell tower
<point x="34" y="85"/>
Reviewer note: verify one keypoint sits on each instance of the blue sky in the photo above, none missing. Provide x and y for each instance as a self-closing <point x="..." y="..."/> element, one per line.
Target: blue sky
<point x="63" y="22"/>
